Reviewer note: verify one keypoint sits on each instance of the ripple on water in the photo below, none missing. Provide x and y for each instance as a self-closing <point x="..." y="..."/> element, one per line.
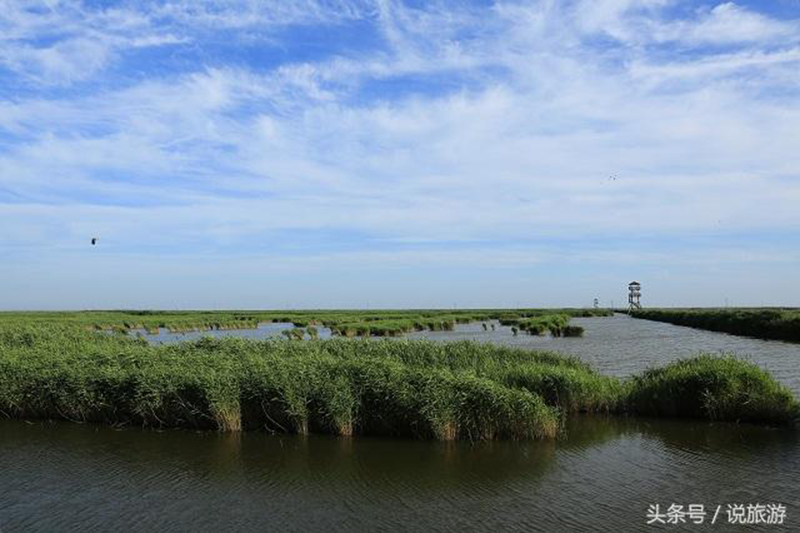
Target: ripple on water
<point x="601" y="477"/>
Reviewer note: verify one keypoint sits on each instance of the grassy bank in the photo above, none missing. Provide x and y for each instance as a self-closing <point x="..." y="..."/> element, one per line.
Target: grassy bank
<point x="774" y="324"/>
<point x="420" y="389"/>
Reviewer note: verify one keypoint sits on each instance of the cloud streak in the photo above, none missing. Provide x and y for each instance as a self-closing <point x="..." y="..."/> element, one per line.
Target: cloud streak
<point x="231" y="126"/>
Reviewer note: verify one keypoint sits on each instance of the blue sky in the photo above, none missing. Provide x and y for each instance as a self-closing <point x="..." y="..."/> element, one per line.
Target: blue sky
<point x="335" y="153"/>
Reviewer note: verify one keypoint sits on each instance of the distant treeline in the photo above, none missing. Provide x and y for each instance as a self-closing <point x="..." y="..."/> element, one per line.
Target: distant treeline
<point x="774" y="324"/>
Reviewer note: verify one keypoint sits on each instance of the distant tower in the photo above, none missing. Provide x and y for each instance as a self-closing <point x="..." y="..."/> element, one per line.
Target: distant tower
<point x="634" y="293"/>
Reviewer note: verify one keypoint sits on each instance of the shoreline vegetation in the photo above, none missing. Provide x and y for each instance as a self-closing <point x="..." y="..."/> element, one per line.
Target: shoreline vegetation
<point x="781" y="324"/>
<point x="379" y="323"/>
<point x="557" y="324"/>
<point x="407" y="388"/>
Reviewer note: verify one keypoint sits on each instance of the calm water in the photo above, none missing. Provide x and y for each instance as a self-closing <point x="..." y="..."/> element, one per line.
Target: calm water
<point x="601" y="476"/>
<point x="265" y="330"/>
<point x="618" y="345"/>
<point x="69" y="477"/>
<point x="622" y="346"/>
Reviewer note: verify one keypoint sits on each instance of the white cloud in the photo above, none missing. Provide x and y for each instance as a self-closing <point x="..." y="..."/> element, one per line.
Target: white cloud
<point x="519" y="147"/>
<point x="253" y="13"/>
<point x="622" y="19"/>
<point x="641" y="23"/>
<point x="63" y="42"/>
<point x="729" y="23"/>
<point x="63" y="62"/>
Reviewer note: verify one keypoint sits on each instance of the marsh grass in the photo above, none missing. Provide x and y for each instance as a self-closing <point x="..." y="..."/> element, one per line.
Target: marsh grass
<point x="344" y="323"/>
<point x="336" y="387"/>
<point x="713" y="388"/>
<point x="297" y="334"/>
<point x="423" y="389"/>
<point x="554" y="324"/>
<point x="776" y="324"/>
<point x="392" y="328"/>
<point x="572" y="331"/>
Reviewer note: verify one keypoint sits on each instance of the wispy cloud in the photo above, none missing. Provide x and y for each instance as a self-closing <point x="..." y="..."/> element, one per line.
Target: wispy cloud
<point x="172" y="127"/>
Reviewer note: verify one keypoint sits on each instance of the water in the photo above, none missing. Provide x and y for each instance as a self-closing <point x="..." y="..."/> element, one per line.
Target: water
<point x="265" y="330"/>
<point x="62" y="477"/>
<point x="618" y="346"/>
<point x="622" y="346"/>
<point x="601" y="476"/>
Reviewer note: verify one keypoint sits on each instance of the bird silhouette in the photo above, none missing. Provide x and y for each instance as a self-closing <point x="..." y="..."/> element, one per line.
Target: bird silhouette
<point x="94" y="240"/>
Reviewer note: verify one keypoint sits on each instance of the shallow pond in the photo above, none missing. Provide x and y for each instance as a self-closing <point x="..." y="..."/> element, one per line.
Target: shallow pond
<point x="602" y="477"/>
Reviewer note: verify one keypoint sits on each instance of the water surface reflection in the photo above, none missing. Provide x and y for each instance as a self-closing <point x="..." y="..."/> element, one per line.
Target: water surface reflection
<point x="601" y="477"/>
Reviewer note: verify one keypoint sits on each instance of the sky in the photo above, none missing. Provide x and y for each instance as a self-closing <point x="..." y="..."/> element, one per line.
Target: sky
<point x="387" y="154"/>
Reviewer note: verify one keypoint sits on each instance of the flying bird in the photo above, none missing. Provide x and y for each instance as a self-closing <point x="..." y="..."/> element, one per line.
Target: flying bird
<point x="94" y="240"/>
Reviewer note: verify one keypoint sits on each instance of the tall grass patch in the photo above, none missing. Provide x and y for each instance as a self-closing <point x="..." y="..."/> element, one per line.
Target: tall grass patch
<point x="408" y="388"/>
<point x="714" y="388"/>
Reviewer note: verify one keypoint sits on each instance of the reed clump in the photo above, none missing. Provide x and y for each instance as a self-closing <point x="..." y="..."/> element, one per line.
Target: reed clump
<point x="555" y="324"/>
<point x="713" y="388"/>
<point x="572" y="331"/>
<point x="423" y="389"/>
<point x="392" y="328"/>
<point x="331" y="387"/>
<point x="297" y="334"/>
